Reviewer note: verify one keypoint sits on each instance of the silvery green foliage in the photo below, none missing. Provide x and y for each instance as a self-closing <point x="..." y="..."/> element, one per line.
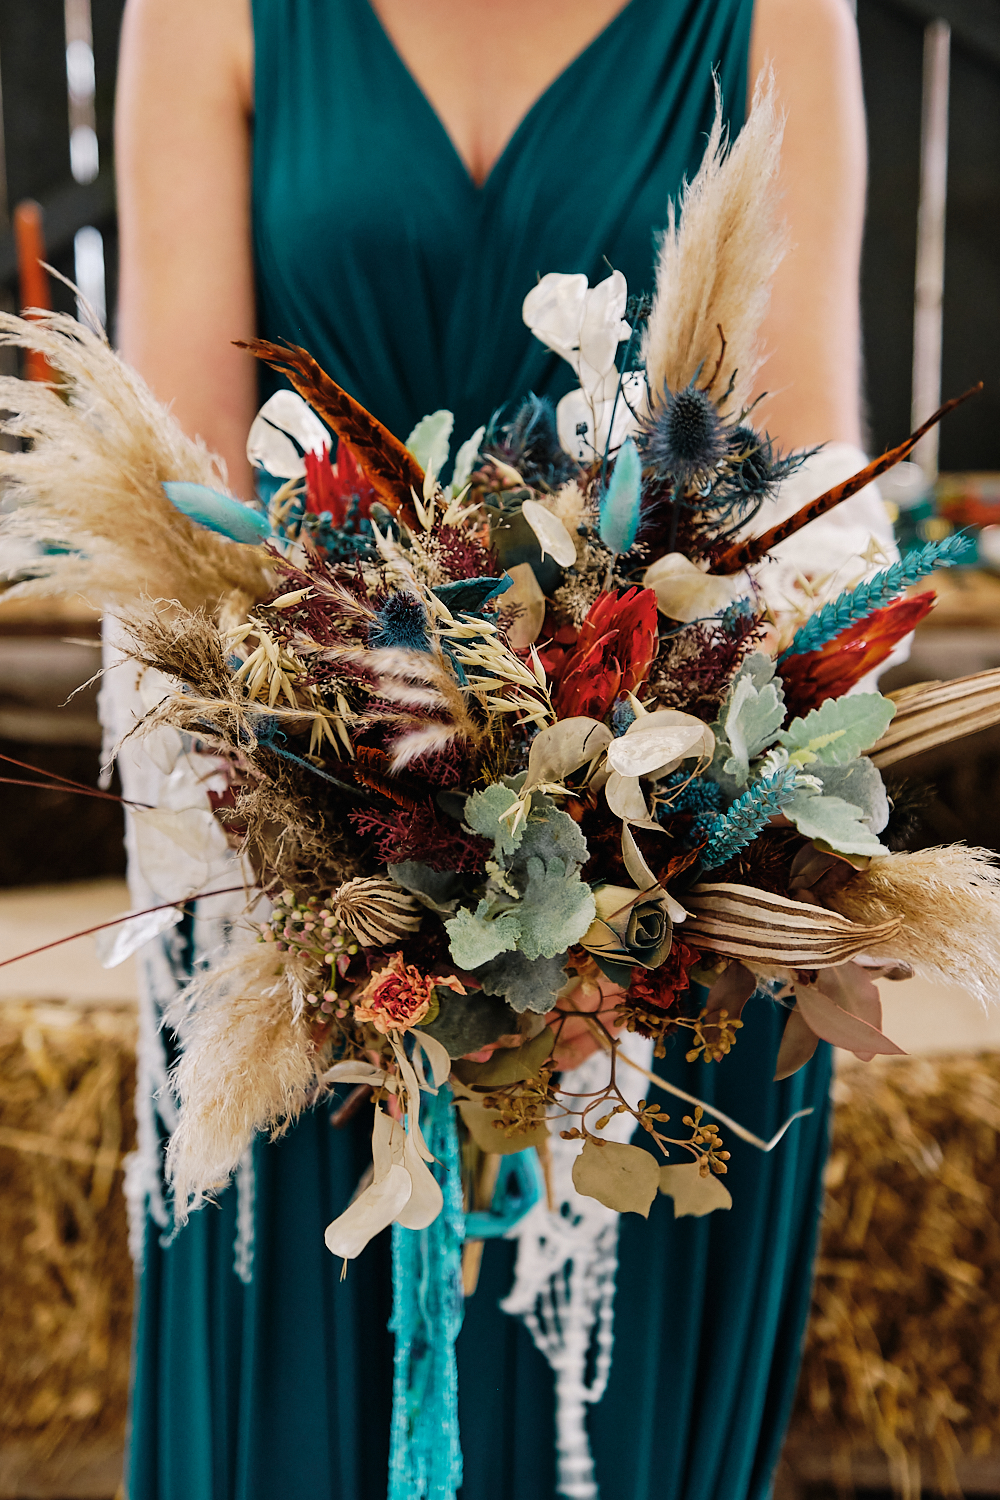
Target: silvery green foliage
<point x="534" y="899"/>
<point x="525" y="984"/>
<point x="839" y="730"/>
<point x="749" y="720"/>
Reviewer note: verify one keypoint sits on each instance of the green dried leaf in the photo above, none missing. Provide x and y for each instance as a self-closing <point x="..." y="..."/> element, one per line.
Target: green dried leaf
<point x="527" y="984"/>
<point x="839" y="730"/>
<point x="509" y="1064"/>
<point x="430" y="441"/>
<point x="623" y="1178"/>
<point x="556" y="910"/>
<point x="692" y="1193"/>
<point x="465" y="1023"/>
<point x="475" y="937"/>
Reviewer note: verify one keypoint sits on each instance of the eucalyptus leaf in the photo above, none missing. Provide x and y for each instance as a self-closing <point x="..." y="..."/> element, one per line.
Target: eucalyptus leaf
<point x="509" y="1064"/>
<point x="482" y="1124"/>
<point x="465" y="459"/>
<point x="692" y="1193"/>
<point x="839" y="730"/>
<point x="623" y="1178"/>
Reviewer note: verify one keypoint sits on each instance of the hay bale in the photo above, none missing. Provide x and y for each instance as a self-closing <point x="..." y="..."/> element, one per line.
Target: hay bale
<point x="903" y="1350"/>
<point x="66" y="1082"/>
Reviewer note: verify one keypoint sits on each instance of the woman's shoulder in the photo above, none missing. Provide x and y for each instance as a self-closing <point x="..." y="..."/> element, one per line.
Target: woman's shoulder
<point x="807" y="32"/>
<point x="194" y="47"/>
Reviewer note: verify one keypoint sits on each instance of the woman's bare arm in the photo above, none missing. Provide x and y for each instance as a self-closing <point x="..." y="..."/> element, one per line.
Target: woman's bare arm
<point x="813" y="329"/>
<point x="183" y="157"/>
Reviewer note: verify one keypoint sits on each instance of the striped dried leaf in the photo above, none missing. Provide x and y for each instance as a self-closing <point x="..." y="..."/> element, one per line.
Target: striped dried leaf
<point x="758" y="927"/>
<point x="933" y="713"/>
<point x="392" y="469"/>
<point x="375" y="911"/>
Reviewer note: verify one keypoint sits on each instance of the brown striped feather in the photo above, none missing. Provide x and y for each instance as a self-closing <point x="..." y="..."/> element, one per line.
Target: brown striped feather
<point x="392" y="469"/>
<point x="742" y="554"/>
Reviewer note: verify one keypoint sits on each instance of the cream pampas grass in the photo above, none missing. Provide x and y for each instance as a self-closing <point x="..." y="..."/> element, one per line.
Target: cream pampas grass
<point x="716" y="266"/>
<point x="949" y="901"/>
<point x="99" y="447"/>
<point x="248" y="1065"/>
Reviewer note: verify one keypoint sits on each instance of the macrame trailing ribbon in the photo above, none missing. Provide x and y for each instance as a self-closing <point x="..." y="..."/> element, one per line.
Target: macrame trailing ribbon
<point x="425" y="1456"/>
<point x="564" y="1281"/>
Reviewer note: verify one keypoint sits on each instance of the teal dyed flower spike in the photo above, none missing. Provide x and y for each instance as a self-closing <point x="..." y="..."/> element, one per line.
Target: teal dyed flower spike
<point x="218" y="512"/>
<point x="622" y="499"/>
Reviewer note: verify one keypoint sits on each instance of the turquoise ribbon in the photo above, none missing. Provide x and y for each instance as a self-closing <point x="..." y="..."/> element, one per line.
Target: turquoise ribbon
<point x="425" y="1455"/>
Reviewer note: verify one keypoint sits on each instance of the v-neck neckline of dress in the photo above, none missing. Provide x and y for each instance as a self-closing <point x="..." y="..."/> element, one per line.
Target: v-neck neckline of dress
<point x="480" y="189"/>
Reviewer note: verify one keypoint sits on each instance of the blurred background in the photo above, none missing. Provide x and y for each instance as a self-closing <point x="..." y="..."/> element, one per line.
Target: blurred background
<point x="900" y="1391"/>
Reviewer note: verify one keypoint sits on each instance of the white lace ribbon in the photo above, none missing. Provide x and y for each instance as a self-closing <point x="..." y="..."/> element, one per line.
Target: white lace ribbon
<point x="564" y="1279"/>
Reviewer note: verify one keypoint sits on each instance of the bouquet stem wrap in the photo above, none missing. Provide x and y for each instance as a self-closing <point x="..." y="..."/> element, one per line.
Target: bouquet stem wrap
<point x="425" y="1455"/>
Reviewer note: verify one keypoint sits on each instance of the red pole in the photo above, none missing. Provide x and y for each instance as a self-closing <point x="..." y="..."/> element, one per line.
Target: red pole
<point x="29" y="237"/>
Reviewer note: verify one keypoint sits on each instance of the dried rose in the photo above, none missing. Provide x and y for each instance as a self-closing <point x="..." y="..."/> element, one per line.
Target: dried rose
<point x="630" y="930"/>
<point x="399" y="997"/>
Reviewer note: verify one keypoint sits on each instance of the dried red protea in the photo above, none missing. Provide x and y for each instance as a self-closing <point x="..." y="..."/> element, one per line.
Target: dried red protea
<point x="613" y="654"/>
<point x="812" y="677"/>
<point x="330" y="487"/>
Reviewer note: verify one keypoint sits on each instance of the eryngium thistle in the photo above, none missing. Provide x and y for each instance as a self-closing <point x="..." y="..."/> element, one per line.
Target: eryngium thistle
<point x="685" y="438"/>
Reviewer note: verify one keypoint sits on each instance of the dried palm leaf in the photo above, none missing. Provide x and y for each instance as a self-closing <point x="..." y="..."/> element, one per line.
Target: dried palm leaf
<point x="758" y="927"/>
<point x="392" y="469"/>
<point x="375" y="910"/>
<point x="90" y="481"/>
<point x="933" y="713"/>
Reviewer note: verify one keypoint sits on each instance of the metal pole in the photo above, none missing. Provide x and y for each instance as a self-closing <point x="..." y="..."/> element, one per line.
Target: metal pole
<point x="929" y="292"/>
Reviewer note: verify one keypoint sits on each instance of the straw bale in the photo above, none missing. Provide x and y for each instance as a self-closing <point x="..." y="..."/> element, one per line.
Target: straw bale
<point x="903" y="1349"/>
<point x="66" y="1082"/>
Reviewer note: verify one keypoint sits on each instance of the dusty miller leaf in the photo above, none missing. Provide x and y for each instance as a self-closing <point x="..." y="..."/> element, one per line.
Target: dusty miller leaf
<point x="465" y="1023"/>
<point x="526" y="984"/>
<point x="692" y="1193"/>
<point x="837" y="824"/>
<point x="839" y="730"/>
<point x="556" y="910"/>
<point x="751" y="716"/>
<point x="475" y="937"/>
<point x="549" y="834"/>
<point x="860" y="784"/>
<point x="483" y="813"/>
<point x="623" y="1178"/>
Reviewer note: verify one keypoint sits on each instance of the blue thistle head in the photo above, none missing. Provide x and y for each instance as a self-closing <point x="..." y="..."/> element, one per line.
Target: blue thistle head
<point x="755" y="467"/>
<point x="685" y="438"/>
<point x="530" y="443"/>
<point x="400" y="623"/>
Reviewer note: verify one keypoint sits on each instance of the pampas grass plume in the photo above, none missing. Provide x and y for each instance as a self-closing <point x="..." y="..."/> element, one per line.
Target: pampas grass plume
<point x="99" y="448"/>
<point x="716" y="266"/>
<point x="949" y="901"/>
<point x="248" y="1065"/>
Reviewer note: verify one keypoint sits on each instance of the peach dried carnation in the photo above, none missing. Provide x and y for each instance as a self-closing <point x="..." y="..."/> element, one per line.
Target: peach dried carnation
<point x="399" y="996"/>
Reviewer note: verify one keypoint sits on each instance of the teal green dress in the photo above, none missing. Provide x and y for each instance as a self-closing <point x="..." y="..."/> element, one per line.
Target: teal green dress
<point x="376" y="251"/>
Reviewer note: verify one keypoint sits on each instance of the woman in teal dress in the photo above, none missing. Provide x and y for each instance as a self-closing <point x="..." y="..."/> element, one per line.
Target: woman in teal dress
<point x="375" y="246"/>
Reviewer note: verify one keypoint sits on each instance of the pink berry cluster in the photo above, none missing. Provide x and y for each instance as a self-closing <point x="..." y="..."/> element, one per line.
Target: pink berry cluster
<point x="308" y="928"/>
